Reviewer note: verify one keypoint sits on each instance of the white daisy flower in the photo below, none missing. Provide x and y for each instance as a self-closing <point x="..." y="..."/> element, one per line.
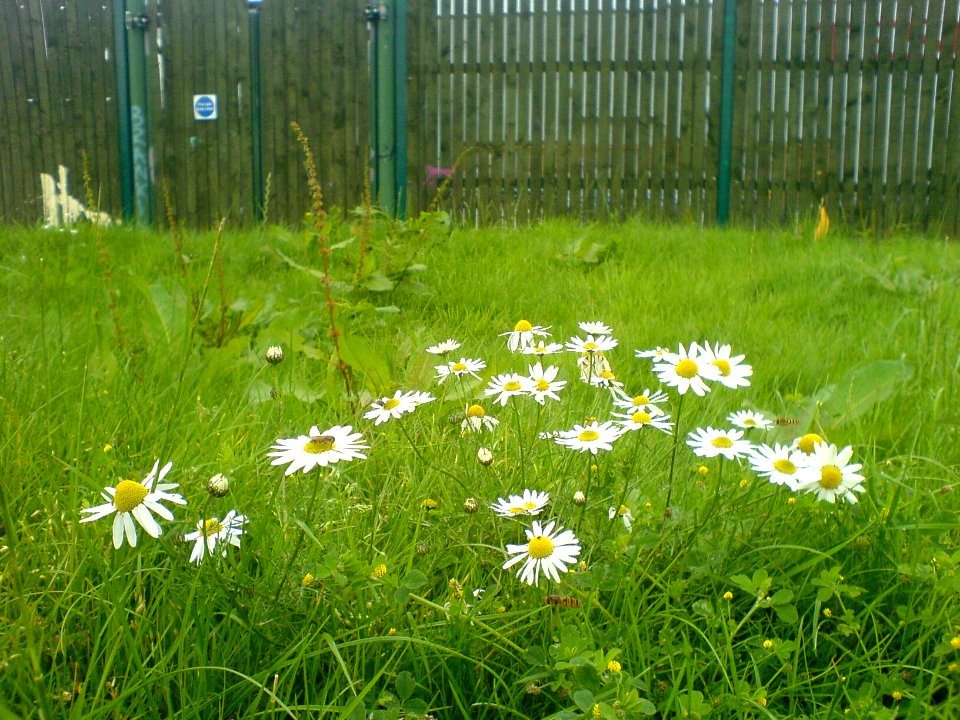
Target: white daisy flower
<point x="523" y="334"/>
<point x="476" y="420"/>
<point x="531" y="502"/>
<point x="138" y="501"/>
<point x="595" y="328"/>
<point x="830" y="474"/>
<point x="749" y="420"/>
<point x="623" y="512"/>
<point x="542" y="348"/>
<point x="640" y="419"/>
<point x="506" y="386"/>
<point x="544" y="551"/>
<point x="447" y="346"/>
<point x="418" y="397"/>
<point x="732" y="372"/>
<point x="686" y="370"/>
<point x="459" y="368"/>
<point x="306" y="452"/>
<point x="592" y="365"/>
<point x="212" y="533"/>
<point x="607" y="379"/>
<point x="658" y="353"/>
<point x="591" y="345"/>
<point x="646" y="401"/>
<point x="710" y="443"/>
<point x="592" y="437"/>
<point x="780" y="464"/>
<point x="806" y="443"/>
<point x="544" y="383"/>
<point x="390" y="408"/>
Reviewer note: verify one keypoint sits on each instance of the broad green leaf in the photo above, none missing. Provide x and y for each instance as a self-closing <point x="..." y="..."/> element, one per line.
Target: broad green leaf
<point x="862" y="388"/>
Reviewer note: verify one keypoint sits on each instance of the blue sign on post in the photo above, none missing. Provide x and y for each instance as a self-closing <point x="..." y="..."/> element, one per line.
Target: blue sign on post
<point x="204" y="107"/>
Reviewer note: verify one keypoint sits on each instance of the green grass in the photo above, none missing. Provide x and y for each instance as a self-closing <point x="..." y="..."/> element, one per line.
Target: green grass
<point x="115" y="354"/>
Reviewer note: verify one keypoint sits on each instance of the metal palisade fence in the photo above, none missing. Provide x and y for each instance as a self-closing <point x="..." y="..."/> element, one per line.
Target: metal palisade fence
<point x="524" y="108"/>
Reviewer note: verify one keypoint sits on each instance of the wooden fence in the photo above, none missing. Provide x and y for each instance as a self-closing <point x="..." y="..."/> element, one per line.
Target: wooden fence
<point x="596" y="108"/>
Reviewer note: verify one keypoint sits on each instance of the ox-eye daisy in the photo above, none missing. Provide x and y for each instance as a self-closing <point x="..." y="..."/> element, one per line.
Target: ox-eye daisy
<point x="545" y="550"/>
<point x="132" y="500"/>
<point x="830" y="474"/>
<point x="306" y="452"/>
<point x="212" y="533"/>
<point x="522" y="335"/>
<point x="390" y="408"/>
<point x="780" y="464"/>
<point x="623" y="512"/>
<point x="640" y="419"/>
<point x="595" y="328"/>
<point x="732" y="372"/>
<point x="544" y="383"/>
<point x="542" y="348"/>
<point x="507" y="385"/>
<point x="710" y="443"/>
<point x="531" y="502"/>
<point x="442" y="348"/>
<point x="591" y="345"/>
<point x="459" y="368"/>
<point x="476" y="419"/>
<point x="686" y="370"/>
<point x="592" y="437"/>
<point x="749" y="420"/>
<point x="647" y="401"/>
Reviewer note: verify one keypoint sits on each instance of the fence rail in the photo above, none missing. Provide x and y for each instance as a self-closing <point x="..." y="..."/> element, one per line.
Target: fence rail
<point x="596" y="108"/>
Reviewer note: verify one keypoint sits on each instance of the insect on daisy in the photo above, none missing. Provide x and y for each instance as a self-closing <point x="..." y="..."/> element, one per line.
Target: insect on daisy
<point x="213" y="533"/>
<point x="138" y="501"/>
<point x="545" y="551"/>
<point x="306" y="452"/>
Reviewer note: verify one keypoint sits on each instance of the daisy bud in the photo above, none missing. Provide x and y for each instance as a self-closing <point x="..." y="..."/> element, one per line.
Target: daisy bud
<point x="484" y="456"/>
<point x="470" y="505"/>
<point x="422" y="548"/>
<point x="274" y="355"/>
<point x="218" y="485"/>
<point x="579" y="498"/>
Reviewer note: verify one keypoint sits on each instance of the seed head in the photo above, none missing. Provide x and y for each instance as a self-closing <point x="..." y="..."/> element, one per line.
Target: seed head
<point x="274" y="355"/>
<point x="218" y="485"/>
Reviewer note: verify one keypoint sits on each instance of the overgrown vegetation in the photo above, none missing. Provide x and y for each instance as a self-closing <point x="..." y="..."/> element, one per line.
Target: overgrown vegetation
<point x="352" y="593"/>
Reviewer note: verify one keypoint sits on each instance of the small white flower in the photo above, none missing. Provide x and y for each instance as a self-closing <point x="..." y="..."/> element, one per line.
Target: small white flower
<point x="138" y="501"/>
<point x="607" y="379"/>
<point x="476" y="420"/>
<point x="658" y="353"/>
<point x="459" y="368"/>
<point x="711" y="443"/>
<point x="306" y="452"/>
<point x="830" y="474"/>
<point x="531" y="502"/>
<point x="780" y="464"/>
<point x="686" y="370"/>
<point x="542" y="348"/>
<point x="592" y="365"/>
<point x="591" y="345"/>
<point x="544" y="551"/>
<point x="506" y="386"/>
<point x="640" y="419"/>
<point x="623" y="512"/>
<point x="390" y="408"/>
<point x="274" y="355"/>
<point x="579" y="498"/>
<point x="447" y="346"/>
<point x="647" y="401"/>
<point x="595" y="328"/>
<point x="748" y="420"/>
<point x="592" y="437"/>
<point x="418" y="397"/>
<point x="484" y="456"/>
<point x="213" y="533"/>
<point x="543" y="383"/>
<point x="732" y="372"/>
<point x="523" y="334"/>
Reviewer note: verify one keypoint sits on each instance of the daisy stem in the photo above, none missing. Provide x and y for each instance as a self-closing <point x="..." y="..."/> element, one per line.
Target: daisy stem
<point x="523" y="467"/>
<point x="300" y="538"/>
<point x="673" y="457"/>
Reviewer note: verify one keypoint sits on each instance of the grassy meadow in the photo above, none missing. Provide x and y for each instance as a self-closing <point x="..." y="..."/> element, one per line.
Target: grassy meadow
<point x="374" y="587"/>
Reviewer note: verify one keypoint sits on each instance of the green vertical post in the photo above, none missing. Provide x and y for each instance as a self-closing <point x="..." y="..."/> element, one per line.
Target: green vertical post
<point x="138" y="22"/>
<point x="728" y="76"/>
<point x="388" y="101"/>
<point x="123" y="108"/>
<point x="256" y="108"/>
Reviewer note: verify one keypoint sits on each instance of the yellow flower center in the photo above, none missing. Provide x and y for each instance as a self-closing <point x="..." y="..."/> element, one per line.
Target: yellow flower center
<point x="529" y="505"/>
<point x="512" y="386"/>
<point x="589" y="346"/>
<point x="830" y="477"/>
<point x="540" y="349"/>
<point x="607" y="375"/>
<point x="588" y="436"/>
<point x="211" y="527"/>
<point x="523" y="326"/>
<point x="750" y="422"/>
<point x="641" y="418"/>
<point x="784" y="466"/>
<point x="641" y="400"/>
<point x="623" y="510"/>
<point x="723" y="365"/>
<point x="687" y="368"/>
<point x="475" y="411"/>
<point x="540" y="547"/>
<point x="391" y="404"/>
<point x="722" y="442"/>
<point x="808" y="441"/>
<point x="517" y="510"/>
<point x="542" y="385"/>
<point x="458" y="367"/>
<point x="320" y="444"/>
<point x="129" y="494"/>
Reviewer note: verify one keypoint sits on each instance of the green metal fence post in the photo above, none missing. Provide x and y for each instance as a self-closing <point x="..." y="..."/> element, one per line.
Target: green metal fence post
<point x="138" y="22"/>
<point x="123" y="108"/>
<point x="728" y="76"/>
<point x="256" y="108"/>
<point x="388" y="122"/>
